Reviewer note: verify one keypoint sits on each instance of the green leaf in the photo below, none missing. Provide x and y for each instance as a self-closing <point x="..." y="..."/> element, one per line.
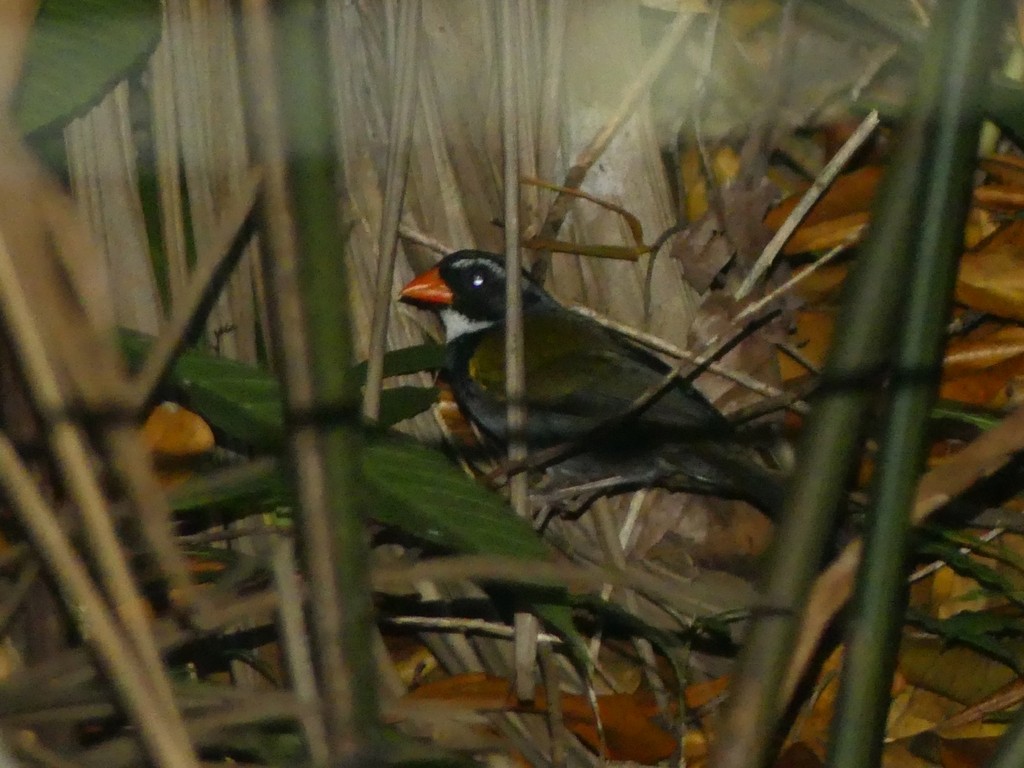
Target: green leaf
<point x="419" y="490"/>
<point x="244" y="402"/>
<point x="401" y="403"/>
<point x="256" y="485"/>
<point x="977" y="630"/>
<point x="981" y="419"/>
<point x="414" y="359"/>
<point x="77" y="51"/>
<point x="991" y="580"/>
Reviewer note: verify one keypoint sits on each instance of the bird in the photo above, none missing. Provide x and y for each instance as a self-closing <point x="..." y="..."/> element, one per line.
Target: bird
<point x="584" y="382"/>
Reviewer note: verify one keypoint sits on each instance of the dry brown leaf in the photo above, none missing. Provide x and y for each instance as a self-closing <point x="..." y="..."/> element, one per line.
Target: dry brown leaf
<point x="724" y="165"/>
<point x="969" y="752"/>
<point x="699" y="695"/>
<point x="812" y="726"/>
<point x="915" y="711"/>
<point x="999" y="197"/>
<point x="821" y="285"/>
<point x="1004" y="169"/>
<point x="955" y="672"/>
<point x="798" y="755"/>
<point x="991" y="276"/>
<point x="979" y="367"/>
<point x="627" y="719"/>
<point x="981" y="458"/>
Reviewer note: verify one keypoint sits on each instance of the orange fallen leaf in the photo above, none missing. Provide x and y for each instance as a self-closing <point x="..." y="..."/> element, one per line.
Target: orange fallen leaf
<point x="991" y="276"/>
<point x="822" y="284"/>
<point x="841" y="213"/>
<point x="811" y="339"/>
<point x="981" y="367"/>
<point x="1000" y="197"/>
<point x="176" y="437"/>
<point x="698" y="695"/>
<point x="1004" y="169"/>
<point x="174" y="432"/>
<point x="798" y="755"/>
<point x="725" y="165"/>
<point x="987" y="345"/>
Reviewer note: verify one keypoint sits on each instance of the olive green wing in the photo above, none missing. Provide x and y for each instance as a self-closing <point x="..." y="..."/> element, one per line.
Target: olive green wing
<point x="579" y="368"/>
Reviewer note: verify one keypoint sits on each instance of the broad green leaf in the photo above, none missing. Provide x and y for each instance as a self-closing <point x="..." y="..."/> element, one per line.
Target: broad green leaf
<point x="397" y="362"/>
<point x="244" y="402"/>
<point x="401" y="403"/>
<point x="77" y="51"/>
<point x="418" y="489"/>
<point x="254" y="486"/>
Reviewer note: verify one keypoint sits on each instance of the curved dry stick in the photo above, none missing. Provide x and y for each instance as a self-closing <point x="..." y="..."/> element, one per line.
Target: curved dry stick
<point x="631" y="97"/>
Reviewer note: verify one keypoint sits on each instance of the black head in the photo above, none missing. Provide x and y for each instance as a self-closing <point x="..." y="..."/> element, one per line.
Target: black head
<point x="478" y="280"/>
<point x="468" y="289"/>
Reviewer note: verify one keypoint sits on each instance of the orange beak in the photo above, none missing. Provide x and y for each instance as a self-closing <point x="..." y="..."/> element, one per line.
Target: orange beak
<point x="427" y="288"/>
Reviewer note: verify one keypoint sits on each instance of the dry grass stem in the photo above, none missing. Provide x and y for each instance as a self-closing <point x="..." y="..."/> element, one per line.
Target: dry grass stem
<point x="396" y="178"/>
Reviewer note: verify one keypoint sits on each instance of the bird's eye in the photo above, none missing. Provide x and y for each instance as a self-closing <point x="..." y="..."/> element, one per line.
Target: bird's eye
<point x="477" y="279"/>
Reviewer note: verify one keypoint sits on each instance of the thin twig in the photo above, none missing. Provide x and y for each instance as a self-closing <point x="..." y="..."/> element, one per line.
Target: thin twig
<point x="526" y="624"/>
<point x="464" y="626"/>
<point x="660" y="345"/>
<point x="756" y="306"/>
<point x="810" y="197"/>
<point x="297" y="653"/>
<point x="16" y="595"/>
<point x="408" y="232"/>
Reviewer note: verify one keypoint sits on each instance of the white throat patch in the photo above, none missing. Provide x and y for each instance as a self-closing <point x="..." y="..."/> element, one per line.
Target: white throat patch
<point x="457" y="324"/>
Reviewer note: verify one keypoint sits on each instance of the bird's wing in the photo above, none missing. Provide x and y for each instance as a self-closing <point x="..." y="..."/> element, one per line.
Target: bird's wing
<point x="577" y="367"/>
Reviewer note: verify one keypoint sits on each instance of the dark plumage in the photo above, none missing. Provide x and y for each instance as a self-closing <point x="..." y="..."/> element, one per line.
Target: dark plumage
<point x="581" y="378"/>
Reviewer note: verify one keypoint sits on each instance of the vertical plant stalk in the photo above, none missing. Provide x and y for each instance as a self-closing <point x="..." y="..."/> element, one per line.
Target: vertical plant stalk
<point x="959" y="54"/>
<point x="312" y="334"/>
<point x="396" y="176"/>
<point x="525" y="651"/>
<point x="831" y="442"/>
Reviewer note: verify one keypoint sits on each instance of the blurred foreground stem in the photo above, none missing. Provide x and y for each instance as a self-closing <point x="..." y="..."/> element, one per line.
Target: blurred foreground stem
<point x="311" y="328"/>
